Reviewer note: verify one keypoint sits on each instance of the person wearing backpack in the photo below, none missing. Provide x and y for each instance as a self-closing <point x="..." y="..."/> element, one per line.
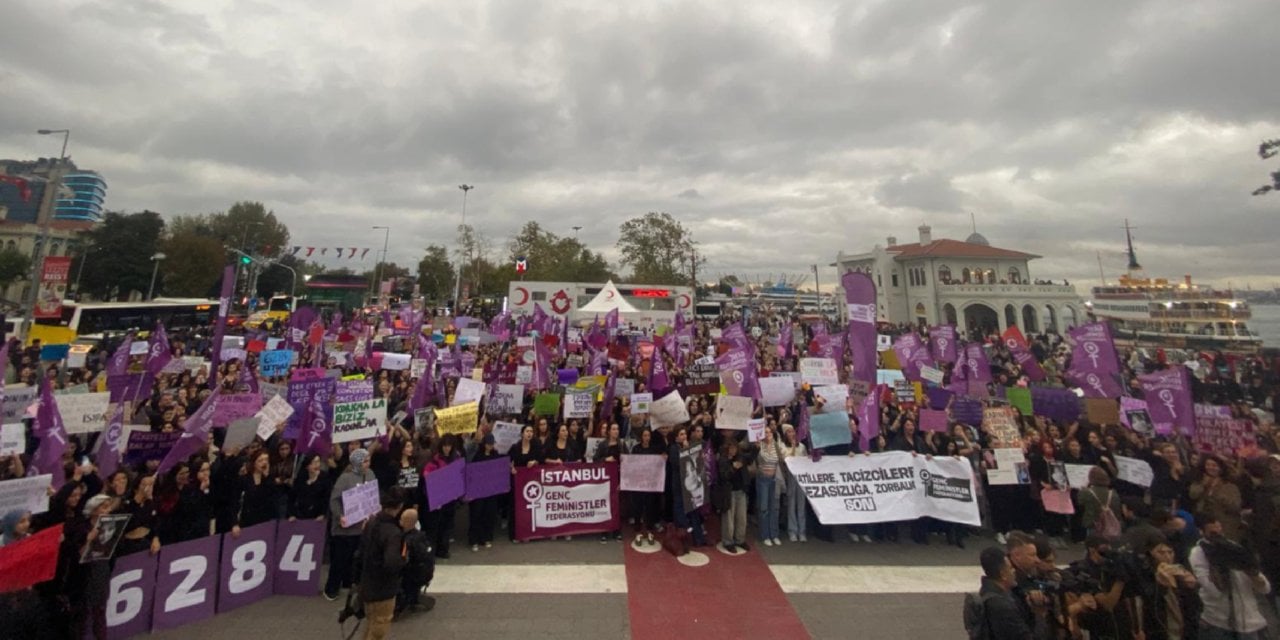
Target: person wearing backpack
<point x="992" y="613"/>
<point x="1100" y="505"/>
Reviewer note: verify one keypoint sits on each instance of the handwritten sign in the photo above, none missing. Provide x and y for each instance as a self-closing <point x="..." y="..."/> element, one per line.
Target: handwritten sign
<point x="359" y="503"/>
<point x="459" y="420"/>
<point x="360" y="420"/>
<point x="578" y="405"/>
<point x="640" y="403"/>
<point x="819" y="371"/>
<point x="84" y="412"/>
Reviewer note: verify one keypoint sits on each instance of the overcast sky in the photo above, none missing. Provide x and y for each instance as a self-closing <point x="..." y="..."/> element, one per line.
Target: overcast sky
<point x="780" y="132"/>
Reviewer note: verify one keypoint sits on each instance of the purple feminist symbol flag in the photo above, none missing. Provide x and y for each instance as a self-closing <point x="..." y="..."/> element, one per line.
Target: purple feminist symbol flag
<point x="860" y="300"/>
<point x="196" y="433"/>
<point x="220" y="327"/>
<point x="606" y="406"/>
<point x="299" y="322"/>
<point x="943" y="342"/>
<point x="425" y="388"/>
<point x="158" y="353"/>
<point x="912" y="354"/>
<point x="738" y="373"/>
<point x="316" y="436"/>
<point x="53" y="438"/>
<point x="109" y="447"/>
<point x="978" y="369"/>
<point x="1093" y="361"/>
<point x="611" y="320"/>
<point x="659" y="381"/>
<point x="869" y="417"/>
<point x="541" y="360"/>
<point x="1168" y="396"/>
<point x="786" y="341"/>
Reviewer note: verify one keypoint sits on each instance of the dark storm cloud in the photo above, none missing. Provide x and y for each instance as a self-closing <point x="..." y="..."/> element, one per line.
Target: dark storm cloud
<point x="808" y="128"/>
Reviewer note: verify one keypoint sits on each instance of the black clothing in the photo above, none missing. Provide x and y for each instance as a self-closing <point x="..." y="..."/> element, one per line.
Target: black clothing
<point x="1005" y="619"/>
<point x="310" y="500"/>
<point x="193" y="513"/>
<point x="257" y="501"/>
<point x="382" y="557"/>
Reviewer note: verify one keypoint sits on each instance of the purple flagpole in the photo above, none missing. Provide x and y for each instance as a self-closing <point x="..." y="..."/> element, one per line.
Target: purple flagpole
<point x="220" y="328"/>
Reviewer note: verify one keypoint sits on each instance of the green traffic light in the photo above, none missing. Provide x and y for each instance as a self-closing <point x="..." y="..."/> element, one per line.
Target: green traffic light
<point x="245" y="260"/>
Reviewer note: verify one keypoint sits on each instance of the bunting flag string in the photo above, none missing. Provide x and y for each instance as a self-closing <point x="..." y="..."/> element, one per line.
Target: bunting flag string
<point x="338" y="251"/>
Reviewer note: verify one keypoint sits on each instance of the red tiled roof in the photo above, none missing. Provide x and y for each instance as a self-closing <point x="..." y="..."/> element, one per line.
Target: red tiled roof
<point x="954" y="249"/>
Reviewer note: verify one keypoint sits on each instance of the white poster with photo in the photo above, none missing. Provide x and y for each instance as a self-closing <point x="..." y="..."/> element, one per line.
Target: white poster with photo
<point x="733" y="412"/>
<point x="668" y="411"/>
<point x="833" y="396"/>
<point x="641" y="403"/>
<point x="1006" y="466"/>
<point x="84" y="412"/>
<point x="819" y="371"/>
<point x="887" y="487"/>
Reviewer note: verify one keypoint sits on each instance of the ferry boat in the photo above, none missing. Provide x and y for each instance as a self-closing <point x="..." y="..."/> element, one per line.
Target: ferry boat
<point x="1154" y="312"/>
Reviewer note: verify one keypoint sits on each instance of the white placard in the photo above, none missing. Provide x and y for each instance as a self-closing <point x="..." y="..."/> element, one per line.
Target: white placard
<point x="755" y="429"/>
<point x="819" y="371"/>
<point x="1134" y="470"/>
<point x="733" y="412"/>
<point x="883" y="342"/>
<point x="396" y="361"/>
<point x="274" y="412"/>
<point x="17" y="398"/>
<point x="468" y="390"/>
<point x="578" y="405"/>
<point x="26" y="494"/>
<point x="359" y="420"/>
<point x="507" y="398"/>
<point x="1078" y="475"/>
<point x="931" y="374"/>
<point x="84" y="412"/>
<point x="78" y="356"/>
<point x="524" y="374"/>
<point x="640" y="403"/>
<point x="505" y="435"/>
<point x="669" y="410"/>
<point x="834" y="397"/>
<point x="777" y="391"/>
<point x="13" y="439"/>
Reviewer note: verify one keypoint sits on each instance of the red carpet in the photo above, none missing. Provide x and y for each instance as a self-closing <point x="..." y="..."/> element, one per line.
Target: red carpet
<point x="730" y="597"/>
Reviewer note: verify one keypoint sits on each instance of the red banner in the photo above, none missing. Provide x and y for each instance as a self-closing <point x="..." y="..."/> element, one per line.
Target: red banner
<point x="567" y="500"/>
<point x="30" y="561"/>
<point x="55" y="272"/>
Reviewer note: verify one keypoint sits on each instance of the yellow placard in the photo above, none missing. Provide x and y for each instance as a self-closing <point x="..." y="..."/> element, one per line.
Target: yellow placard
<point x="477" y="374"/>
<point x="590" y="381"/>
<point x="358" y="376"/>
<point x="459" y="420"/>
<point x="450" y="338"/>
<point x="919" y="389"/>
<point x="890" y="360"/>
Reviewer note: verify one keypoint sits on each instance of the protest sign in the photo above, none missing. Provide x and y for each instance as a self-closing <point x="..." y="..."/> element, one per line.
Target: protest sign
<point x="240" y="433"/>
<point x="359" y="420"/>
<point x="186" y="582"/>
<point x="702" y="377"/>
<point x="77" y="355"/>
<point x="1134" y="471"/>
<point x="646" y="473"/>
<point x="275" y="363"/>
<point x="84" y="412"/>
<point x="1101" y="411"/>
<point x="488" y="478"/>
<point x="143" y="446"/>
<point x="468" y="391"/>
<point x="889" y="376"/>
<point x="1078" y="475"/>
<point x="578" y="405"/>
<point x="300" y="548"/>
<point x="641" y="403"/>
<point x="446" y="484"/>
<point x="933" y="420"/>
<point x="1006" y="466"/>
<point x="360" y="502"/>
<point x="887" y="487"/>
<point x="755" y="429"/>
<point x="733" y="412"/>
<point x="232" y="407"/>
<point x="931" y="374"/>
<point x="1223" y="436"/>
<point x="304" y="385"/>
<point x="819" y="371"/>
<point x="568" y="500"/>
<point x="777" y="391"/>
<point x="417" y="367"/>
<point x="505" y="435"/>
<point x="459" y="420"/>
<point x="546" y="404"/>
<point x="396" y="361"/>
<point x="25" y="494"/>
<point x="353" y="390"/>
<point x="624" y="387"/>
<point x="829" y="429"/>
<point x="793" y="376"/>
<point x="668" y="411"/>
<point x="273" y="413"/>
<point x="1019" y="398"/>
<point x="834" y="397"/>
<point x="506" y="399"/>
<point x="524" y="374"/>
<point x="1001" y="427"/>
<point x="268" y="390"/>
<point x="1057" y="501"/>
<point x="13" y="439"/>
<point x="693" y="478"/>
<point x="245" y="574"/>
<point x="17" y="398"/>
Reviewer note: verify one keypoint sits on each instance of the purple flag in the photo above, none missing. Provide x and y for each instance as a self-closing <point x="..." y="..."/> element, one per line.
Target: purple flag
<point x="860" y="300"/>
<point x="195" y="435"/>
<point x="611" y="320"/>
<point x="424" y="390"/>
<point x="738" y="373"/>
<point x="786" y="342"/>
<point x="316" y="436"/>
<point x="1168" y="396"/>
<point x="220" y="327"/>
<point x="1093" y="361"/>
<point x="869" y="417"/>
<point x="158" y="353"/>
<point x="109" y="446"/>
<point x="119" y="365"/>
<point x="606" y="406"/>
<point x="53" y="438"/>
<point x="802" y="423"/>
<point x="541" y="361"/>
<point x="912" y="354"/>
<point x="1022" y="356"/>
<point x="248" y="382"/>
<point x="659" y="381"/>
<point x="540" y="319"/>
<point x="978" y="369"/>
<point x="1060" y="405"/>
<point x="299" y="322"/>
<point x="679" y="319"/>
<point x="943" y="341"/>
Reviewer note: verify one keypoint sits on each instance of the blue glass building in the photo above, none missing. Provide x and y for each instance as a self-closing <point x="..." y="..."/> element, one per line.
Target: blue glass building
<point x="81" y="197"/>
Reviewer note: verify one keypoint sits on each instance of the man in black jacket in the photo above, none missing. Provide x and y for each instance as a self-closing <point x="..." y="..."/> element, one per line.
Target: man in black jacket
<point x="382" y="555"/>
<point x="1004" y="618"/>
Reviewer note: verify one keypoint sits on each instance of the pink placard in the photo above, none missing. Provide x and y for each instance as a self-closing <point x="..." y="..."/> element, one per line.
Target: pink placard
<point x="933" y="420"/>
<point x="1057" y="501"/>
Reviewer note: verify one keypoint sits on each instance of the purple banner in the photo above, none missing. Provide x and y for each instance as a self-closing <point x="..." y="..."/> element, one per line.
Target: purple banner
<point x="567" y="377"/>
<point x="1168" y="396"/>
<point x="352" y="391"/>
<point x="860" y="302"/>
<point x="943" y="342"/>
<point x="738" y="373"/>
<point x="299" y="549"/>
<point x="305" y="384"/>
<point x="53" y="438"/>
<point x="1093" y="361"/>
<point x="869" y="417"/>
<point x="220" y="326"/>
<point x="186" y="583"/>
<point x="488" y="478"/>
<point x="967" y="411"/>
<point x="133" y="574"/>
<point x="145" y="445"/>
<point x="938" y="397"/>
<point x="246" y="575"/>
<point x="446" y="484"/>
<point x="977" y="368"/>
<point x="236" y="406"/>
<point x="1060" y="405"/>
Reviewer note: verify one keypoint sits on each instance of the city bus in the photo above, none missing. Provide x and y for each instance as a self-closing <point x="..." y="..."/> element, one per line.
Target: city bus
<point x="99" y="318"/>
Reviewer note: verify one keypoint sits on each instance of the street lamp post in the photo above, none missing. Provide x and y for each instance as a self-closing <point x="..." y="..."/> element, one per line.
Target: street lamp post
<point x="457" y="283"/>
<point x="386" y="237"/>
<point x="154" y="269"/>
<point x="51" y="196"/>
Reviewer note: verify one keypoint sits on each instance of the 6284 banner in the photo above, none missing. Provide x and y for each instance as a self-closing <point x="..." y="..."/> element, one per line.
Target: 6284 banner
<point x="190" y="581"/>
<point x="887" y="487"/>
<point x="567" y="500"/>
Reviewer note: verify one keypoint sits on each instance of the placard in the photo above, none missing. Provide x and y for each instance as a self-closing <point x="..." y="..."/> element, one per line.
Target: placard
<point x="275" y="363"/>
<point x="755" y="429"/>
<point x="186" y="583"/>
<point x="829" y="429"/>
<point x="300" y="548"/>
<point x="143" y="446"/>
<point x="506" y="399"/>
<point x="359" y="420"/>
<point x="702" y="377"/>
<point x="931" y="374"/>
<point x="641" y="403"/>
<point x="646" y="473"/>
<point x="1134" y="471"/>
<point x="1006" y="466"/>
<point x="887" y="487"/>
<point x="25" y="494"/>
<point x="232" y="407"/>
<point x="396" y="361"/>
<point x="623" y="387"/>
<point x="13" y="439"/>
<point x="488" y="478"/>
<point x="933" y="420"/>
<point x="1057" y="501"/>
<point x="834" y="397"/>
<point x="276" y="411"/>
<point x="1001" y="427"/>
<point x="246" y="574"/>
<point x="506" y="435"/>
<point x="1078" y="475"/>
<point x="578" y="405"/>
<point x="546" y="404"/>
<point x="777" y="391"/>
<point x="467" y="391"/>
<point x="1223" y="436"/>
<point x="361" y="502"/>
<point x="819" y="371"/>
<point x="459" y="420"/>
<point x="17" y="398"/>
<point x="240" y="433"/>
<point x="733" y="412"/>
<point x="669" y="410"/>
<point x="446" y="484"/>
<point x="1102" y="411"/>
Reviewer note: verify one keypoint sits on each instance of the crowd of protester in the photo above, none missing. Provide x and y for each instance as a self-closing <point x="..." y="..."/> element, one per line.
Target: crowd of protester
<point x="1161" y="574"/>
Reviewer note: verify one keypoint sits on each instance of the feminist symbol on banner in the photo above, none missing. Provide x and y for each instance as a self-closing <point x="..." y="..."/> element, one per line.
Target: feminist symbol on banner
<point x="1095" y="382"/>
<point x="1166" y="398"/>
<point x="1091" y="350"/>
<point x="942" y="344"/>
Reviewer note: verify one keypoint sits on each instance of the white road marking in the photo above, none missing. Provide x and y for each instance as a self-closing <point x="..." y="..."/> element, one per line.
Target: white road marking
<point x="876" y="579"/>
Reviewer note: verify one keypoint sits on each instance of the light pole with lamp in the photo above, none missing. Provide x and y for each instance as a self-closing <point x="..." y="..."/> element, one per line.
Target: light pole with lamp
<point x="457" y="283"/>
<point x="386" y="237"/>
<point x="51" y="197"/>
<point x="154" y="269"/>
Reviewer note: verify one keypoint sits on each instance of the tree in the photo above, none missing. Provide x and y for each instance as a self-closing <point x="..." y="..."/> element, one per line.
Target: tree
<point x="1268" y="149"/>
<point x="193" y="265"/>
<point x="248" y="226"/>
<point x="14" y="265"/>
<point x="659" y="250"/>
<point x="435" y="274"/>
<point x="551" y="257"/>
<point x="274" y="279"/>
<point x="118" y="254"/>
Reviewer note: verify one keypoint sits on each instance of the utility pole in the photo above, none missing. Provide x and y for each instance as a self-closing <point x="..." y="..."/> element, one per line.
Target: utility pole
<point x="818" y="291"/>
<point x="457" y="283"/>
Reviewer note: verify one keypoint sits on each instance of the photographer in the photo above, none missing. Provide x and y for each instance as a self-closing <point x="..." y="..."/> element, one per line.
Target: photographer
<point x="1103" y="604"/>
<point x="382" y="557"/>
<point x="1029" y="587"/>
<point x="1001" y="614"/>
<point x="1230" y="582"/>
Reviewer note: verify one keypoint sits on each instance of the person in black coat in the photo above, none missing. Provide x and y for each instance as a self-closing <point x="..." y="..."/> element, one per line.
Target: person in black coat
<point x="195" y="506"/>
<point x="382" y="559"/>
<point x="310" y="497"/>
<point x="482" y="514"/>
<point x="258" y="490"/>
<point x="1002" y="615"/>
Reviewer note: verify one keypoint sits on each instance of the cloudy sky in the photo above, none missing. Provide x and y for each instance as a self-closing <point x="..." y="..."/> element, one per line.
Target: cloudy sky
<point x="780" y="132"/>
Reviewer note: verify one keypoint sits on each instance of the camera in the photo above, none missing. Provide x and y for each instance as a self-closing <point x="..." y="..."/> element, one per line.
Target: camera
<point x="1228" y="555"/>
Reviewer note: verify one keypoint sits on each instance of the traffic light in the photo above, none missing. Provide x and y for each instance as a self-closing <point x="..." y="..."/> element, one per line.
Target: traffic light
<point x="246" y="260"/>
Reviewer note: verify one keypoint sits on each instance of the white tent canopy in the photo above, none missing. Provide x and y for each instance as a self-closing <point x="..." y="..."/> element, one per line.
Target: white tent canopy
<point x="607" y="300"/>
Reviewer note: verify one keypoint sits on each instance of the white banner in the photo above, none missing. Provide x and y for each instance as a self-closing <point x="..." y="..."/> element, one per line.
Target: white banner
<point x="507" y="398"/>
<point x="777" y="391"/>
<point x="668" y="411"/>
<point x="1134" y="470"/>
<point x="505" y="434"/>
<point x="578" y="405"/>
<point x="733" y="412"/>
<point x="468" y="391"/>
<point x="13" y="439"/>
<point x="819" y="371"/>
<point x="25" y="494"/>
<point x="359" y="420"/>
<point x="84" y="412"/>
<point x="887" y="487"/>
